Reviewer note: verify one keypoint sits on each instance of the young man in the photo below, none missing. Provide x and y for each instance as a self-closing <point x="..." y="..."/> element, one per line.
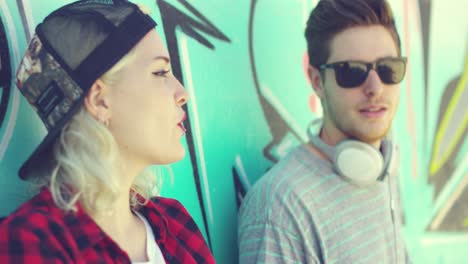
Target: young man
<point x="335" y="199"/>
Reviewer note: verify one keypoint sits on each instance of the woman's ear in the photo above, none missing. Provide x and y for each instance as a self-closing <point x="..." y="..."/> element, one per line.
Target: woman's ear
<point x="97" y="101"/>
<point x="315" y="78"/>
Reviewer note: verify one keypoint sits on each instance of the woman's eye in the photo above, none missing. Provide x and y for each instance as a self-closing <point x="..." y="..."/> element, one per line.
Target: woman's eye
<point x="162" y="73"/>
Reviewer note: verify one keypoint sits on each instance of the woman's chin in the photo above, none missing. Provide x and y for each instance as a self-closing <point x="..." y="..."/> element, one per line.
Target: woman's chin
<point x="172" y="157"/>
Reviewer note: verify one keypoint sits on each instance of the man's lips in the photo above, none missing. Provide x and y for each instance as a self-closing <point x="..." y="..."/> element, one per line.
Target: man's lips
<point x="373" y="110"/>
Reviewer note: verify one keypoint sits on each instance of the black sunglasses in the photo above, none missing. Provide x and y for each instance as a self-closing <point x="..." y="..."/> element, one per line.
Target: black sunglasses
<point x="350" y="74"/>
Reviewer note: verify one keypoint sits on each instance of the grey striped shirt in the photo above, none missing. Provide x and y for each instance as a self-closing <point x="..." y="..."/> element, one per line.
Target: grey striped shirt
<point x="302" y="212"/>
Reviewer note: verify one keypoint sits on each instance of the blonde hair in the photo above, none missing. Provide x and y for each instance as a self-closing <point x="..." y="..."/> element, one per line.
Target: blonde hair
<point x="88" y="161"/>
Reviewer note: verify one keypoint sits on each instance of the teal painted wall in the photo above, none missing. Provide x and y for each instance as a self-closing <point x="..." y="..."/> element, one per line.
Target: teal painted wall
<point x="242" y="63"/>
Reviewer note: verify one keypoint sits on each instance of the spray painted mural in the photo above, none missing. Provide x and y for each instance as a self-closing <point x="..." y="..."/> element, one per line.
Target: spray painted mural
<point x="242" y="63"/>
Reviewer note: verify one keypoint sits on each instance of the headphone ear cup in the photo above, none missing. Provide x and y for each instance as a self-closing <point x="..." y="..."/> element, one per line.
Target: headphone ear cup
<point x="358" y="162"/>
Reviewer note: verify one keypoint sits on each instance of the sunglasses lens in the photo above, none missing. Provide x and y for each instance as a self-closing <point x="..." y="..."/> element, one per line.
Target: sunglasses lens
<point x="350" y="74"/>
<point x="391" y="71"/>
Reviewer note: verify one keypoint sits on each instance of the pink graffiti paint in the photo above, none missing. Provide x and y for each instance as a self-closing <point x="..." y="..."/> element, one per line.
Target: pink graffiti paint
<point x="409" y="102"/>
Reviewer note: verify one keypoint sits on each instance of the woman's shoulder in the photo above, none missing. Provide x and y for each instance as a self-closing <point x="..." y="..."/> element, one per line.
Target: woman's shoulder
<point x="172" y="213"/>
<point x="169" y="207"/>
<point x="179" y="223"/>
<point x="166" y="203"/>
<point x="33" y="216"/>
<point x="33" y="225"/>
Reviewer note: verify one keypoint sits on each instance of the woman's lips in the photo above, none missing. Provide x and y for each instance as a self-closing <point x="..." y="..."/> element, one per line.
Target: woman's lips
<point x="181" y="123"/>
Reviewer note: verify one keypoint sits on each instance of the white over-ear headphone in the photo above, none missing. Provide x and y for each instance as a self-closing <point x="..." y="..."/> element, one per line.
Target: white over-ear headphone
<point x="356" y="161"/>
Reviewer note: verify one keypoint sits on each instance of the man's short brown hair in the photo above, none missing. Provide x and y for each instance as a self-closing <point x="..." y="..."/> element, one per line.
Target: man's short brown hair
<point x="331" y="17"/>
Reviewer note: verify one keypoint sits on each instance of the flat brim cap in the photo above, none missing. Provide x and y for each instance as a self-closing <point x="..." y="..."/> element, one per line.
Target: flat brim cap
<point x="73" y="47"/>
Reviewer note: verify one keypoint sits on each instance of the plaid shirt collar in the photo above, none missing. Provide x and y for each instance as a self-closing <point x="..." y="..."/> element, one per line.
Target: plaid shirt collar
<point x="88" y="233"/>
<point x="176" y="233"/>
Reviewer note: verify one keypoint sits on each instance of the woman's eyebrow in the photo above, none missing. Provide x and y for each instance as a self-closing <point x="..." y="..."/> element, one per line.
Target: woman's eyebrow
<point x="162" y="57"/>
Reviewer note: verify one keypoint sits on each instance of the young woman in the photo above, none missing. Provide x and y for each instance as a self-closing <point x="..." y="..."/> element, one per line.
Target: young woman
<point x="98" y="75"/>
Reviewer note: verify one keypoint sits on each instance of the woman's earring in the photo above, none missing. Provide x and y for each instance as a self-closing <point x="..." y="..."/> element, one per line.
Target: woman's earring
<point x="104" y="122"/>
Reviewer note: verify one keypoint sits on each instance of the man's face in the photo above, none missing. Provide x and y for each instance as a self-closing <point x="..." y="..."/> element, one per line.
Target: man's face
<point x="364" y="112"/>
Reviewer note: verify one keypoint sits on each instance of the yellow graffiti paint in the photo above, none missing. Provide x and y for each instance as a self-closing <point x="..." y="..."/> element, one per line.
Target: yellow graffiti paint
<point x="440" y="160"/>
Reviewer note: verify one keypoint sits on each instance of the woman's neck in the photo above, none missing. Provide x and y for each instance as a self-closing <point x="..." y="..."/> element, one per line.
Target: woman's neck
<point x="124" y="227"/>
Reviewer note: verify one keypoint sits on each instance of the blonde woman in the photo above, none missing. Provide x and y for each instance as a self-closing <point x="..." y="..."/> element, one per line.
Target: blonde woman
<point x="98" y="75"/>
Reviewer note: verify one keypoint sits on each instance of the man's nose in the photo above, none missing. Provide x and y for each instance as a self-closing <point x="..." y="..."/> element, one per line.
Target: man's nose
<point x="373" y="85"/>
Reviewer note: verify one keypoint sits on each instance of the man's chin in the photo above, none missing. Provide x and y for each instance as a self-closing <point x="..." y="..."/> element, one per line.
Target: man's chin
<point x="370" y="137"/>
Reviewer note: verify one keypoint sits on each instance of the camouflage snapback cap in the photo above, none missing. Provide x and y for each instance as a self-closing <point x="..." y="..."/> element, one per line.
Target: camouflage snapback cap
<point x="74" y="46"/>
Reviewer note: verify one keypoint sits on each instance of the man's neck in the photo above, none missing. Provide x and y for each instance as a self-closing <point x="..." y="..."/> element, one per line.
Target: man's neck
<point x="331" y="136"/>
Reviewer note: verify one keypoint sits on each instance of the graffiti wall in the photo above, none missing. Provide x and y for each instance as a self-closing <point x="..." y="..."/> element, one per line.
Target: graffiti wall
<point x="242" y="62"/>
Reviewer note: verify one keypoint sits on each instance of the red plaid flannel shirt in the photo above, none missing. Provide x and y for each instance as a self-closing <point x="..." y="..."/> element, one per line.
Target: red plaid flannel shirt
<point x="39" y="232"/>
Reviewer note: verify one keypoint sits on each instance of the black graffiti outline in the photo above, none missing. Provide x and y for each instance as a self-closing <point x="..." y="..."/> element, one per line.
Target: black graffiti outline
<point x="5" y="61"/>
<point x="276" y="123"/>
<point x="173" y="18"/>
<point x="5" y="73"/>
<point x="239" y="188"/>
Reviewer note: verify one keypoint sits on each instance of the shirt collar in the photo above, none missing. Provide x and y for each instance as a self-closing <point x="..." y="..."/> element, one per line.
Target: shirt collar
<point x="85" y="230"/>
<point x="157" y="221"/>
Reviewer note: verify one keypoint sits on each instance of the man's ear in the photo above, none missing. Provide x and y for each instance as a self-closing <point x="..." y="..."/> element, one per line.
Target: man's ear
<point x="315" y="78"/>
<point x="97" y="101"/>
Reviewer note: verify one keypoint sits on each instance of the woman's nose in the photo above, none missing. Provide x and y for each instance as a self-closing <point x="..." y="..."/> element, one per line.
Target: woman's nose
<point x="181" y="95"/>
